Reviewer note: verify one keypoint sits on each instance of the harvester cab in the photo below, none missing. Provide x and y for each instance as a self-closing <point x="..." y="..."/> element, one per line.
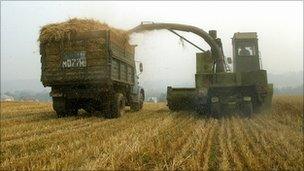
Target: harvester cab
<point x="245" y="52"/>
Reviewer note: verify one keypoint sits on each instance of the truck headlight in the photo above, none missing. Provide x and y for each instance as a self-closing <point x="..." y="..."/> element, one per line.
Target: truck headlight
<point x="214" y="99"/>
<point x="247" y="98"/>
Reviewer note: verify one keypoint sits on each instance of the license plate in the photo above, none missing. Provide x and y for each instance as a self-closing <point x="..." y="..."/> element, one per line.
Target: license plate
<point x="74" y="59"/>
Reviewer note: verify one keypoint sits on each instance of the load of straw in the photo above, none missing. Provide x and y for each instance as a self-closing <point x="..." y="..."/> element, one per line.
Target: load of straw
<point x="64" y="30"/>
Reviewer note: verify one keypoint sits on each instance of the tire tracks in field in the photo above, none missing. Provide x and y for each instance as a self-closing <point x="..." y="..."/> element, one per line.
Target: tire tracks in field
<point x="187" y="152"/>
<point x="254" y="147"/>
<point x="234" y="156"/>
<point x="214" y="150"/>
<point x="149" y="144"/>
<point x="75" y="126"/>
<point x="15" y="114"/>
<point x="246" y="148"/>
<point x="39" y="125"/>
<point x="70" y="124"/>
<point x="131" y="142"/>
<point x="171" y="139"/>
<point x="225" y="160"/>
<point x="23" y="112"/>
<point x="205" y="145"/>
<point x="35" y="117"/>
<point x="65" y="136"/>
<point x="201" y="138"/>
<point x="125" y="148"/>
<point x="240" y="158"/>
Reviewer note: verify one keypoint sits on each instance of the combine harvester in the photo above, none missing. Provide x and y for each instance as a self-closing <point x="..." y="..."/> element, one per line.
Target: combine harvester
<point x="218" y="90"/>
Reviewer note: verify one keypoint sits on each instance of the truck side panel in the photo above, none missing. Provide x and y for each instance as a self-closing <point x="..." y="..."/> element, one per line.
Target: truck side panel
<point x="122" y="60"/>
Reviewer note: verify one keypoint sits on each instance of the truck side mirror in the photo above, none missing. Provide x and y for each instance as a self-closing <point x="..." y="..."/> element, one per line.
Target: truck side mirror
<point x="229" y="60"/>
<point x="141" y="68"/>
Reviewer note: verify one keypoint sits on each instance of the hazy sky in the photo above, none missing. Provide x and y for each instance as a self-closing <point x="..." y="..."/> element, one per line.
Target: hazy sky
<point x="279" y="26"/>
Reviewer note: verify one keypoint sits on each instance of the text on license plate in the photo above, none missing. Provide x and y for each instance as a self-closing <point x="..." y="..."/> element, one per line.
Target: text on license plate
<point x="74" y="59"/>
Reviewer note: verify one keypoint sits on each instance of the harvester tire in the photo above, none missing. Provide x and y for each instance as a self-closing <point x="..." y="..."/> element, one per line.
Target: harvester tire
<point x="247" y="108"/>
<point x="202" y="109"/>
<point x="215" y="109"/>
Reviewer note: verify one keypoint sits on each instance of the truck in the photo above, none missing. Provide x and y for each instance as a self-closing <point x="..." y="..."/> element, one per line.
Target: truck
<point x="220" y="90"/>
<point x="93" y="70"/>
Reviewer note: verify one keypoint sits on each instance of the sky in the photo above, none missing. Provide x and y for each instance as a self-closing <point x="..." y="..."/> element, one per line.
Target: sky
<point x="279" y="26"/>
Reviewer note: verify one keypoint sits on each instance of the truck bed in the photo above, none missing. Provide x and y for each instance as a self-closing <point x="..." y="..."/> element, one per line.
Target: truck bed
<point x="88" y="58"/>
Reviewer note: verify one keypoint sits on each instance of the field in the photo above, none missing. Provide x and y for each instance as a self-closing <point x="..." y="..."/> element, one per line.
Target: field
<point x="32" y="137"/>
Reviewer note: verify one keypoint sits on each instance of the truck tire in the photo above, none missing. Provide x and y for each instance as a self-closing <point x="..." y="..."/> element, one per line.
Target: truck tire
<point x="117" y="107"/>
<point x="141" y="100"/>
<point x="64" y="107"/>
<point x="247" y="108"/>
<point x="135" y="106"/>
<point x="59" y="105"/>
<point x="73" y="111"/>
<point x="172" y="106"/>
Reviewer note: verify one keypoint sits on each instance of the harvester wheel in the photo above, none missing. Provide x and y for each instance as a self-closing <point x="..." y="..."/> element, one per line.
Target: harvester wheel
<point x="202" y="109"/>
<point x="117" y="107"/>
<point x="215" y="109"/>
<point x="247" y="108"/>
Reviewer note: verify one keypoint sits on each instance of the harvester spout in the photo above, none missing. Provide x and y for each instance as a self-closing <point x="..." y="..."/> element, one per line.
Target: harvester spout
<point x="218" y="55"/>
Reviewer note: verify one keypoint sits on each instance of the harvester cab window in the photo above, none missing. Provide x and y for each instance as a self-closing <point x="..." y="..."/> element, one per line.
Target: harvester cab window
<point x="246" y="50"/>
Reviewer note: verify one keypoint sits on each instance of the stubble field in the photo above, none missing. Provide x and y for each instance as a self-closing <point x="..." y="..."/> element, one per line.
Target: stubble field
<point x="32" y="137"/>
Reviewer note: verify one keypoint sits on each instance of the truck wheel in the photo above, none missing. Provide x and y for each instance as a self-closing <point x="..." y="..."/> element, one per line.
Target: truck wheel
<point x="172" y="106"/>
<point x="247" y="108"/>
<point x="135" y="106"/>
<point x="117" y="106"/>
<point x="59" y="105"/>
<point x="64" y="107"/>
<point x="141" y="101"/>
<point x="74" y="112"/>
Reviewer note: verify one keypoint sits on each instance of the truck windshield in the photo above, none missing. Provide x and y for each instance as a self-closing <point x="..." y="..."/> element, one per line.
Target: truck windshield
<point x="246" y="49"/>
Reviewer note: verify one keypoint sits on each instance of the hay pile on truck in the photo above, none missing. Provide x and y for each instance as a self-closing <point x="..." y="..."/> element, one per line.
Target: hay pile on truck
<point x="89" y="65"/>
